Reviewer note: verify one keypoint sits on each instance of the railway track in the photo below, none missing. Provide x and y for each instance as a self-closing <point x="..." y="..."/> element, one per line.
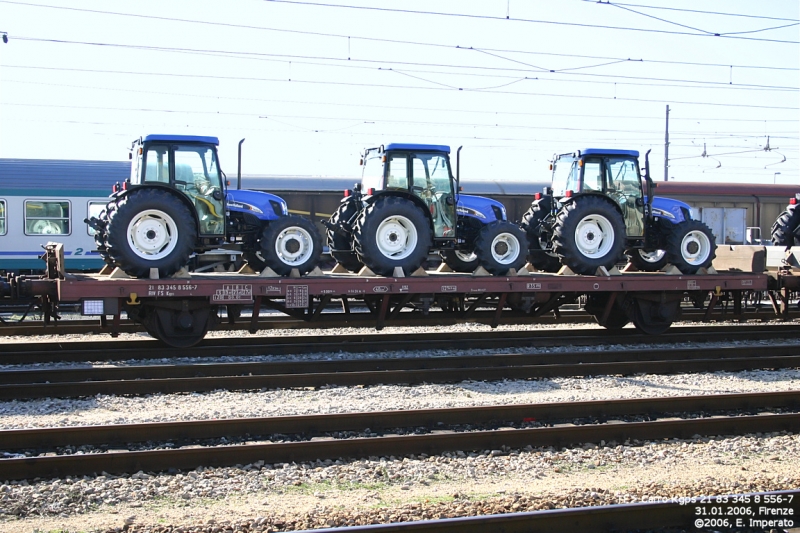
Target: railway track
<point x="202" y="377"/>
<point x="355" y="319"/>
<point x="156" y="447"/>
<point x="116" y="350"/>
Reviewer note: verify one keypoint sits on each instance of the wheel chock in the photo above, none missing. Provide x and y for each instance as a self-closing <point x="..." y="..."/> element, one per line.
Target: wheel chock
<point x="118" y="273"/>
<point x="153" y="273"/>
<point x="398" y="272"/>
<point x="530" y="268"/>
<point x="511" y="272"/>
<point x="316" y="272"/>
<point x="106" y="270"/>
<point x="630" y="267"/>
<point x="671" y="270"/>
<point x="269" y="273"/>
<point x="339" y="269"/>
<point x="366" y="272"/>
<point x="444" y="268"/>
<point x="602" y="271"/>
<point x="480" y="271"/>
<point x="183" y="273"/>
<point x="246" y="269"/>
<point x="294" y="273"/>
<point x="706" y="271"/>
<point x="419" y="273"/>
<point x="566" y="271"/>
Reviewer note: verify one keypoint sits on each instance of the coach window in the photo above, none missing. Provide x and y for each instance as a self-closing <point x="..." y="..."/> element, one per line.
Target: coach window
<point x="2" y="217"/>
<point x="47" y="218"/>
<point x="94" y="210"/>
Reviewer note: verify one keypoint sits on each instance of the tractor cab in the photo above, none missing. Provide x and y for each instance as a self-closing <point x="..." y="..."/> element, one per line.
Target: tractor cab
<point x="188" y="164"/>
<point x="610" y="173"/>
<point x="420" y="172"/>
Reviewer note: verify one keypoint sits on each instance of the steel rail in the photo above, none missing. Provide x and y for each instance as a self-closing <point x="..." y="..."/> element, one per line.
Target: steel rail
<point x="43" y="352"/>
<point x="206" y="370"/>
<point x="17" y="391"/>
<point x="309" y="425"/>
<point x="431" y="444"/>
<point x="593" y="519"/>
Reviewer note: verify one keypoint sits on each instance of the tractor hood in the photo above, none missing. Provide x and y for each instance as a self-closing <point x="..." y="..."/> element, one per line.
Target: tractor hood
<point x="484" y="209"/>
<point x="263" y="205"/>
<point x="673" y="210"/>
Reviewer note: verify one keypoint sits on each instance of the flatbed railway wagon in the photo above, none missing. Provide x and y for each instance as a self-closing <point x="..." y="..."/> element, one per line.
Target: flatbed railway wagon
<point x="180" y="310"/>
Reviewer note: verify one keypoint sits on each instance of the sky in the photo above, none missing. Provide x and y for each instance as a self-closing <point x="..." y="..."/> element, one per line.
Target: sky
<point x="310" y="84"/>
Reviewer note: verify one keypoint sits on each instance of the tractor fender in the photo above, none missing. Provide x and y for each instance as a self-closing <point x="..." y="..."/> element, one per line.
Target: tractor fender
<point x="369" y="200"/>
<point x="565" y="201"/>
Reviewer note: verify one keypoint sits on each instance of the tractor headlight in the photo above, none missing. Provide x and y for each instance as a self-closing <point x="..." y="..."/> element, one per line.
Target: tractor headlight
<point x="499" y="212"/>
<point x="278" y="207"/>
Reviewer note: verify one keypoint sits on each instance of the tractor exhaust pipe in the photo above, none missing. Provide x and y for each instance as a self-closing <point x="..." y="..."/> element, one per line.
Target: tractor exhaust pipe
<point x="239" y="171"/>
<point x="458" y="170"/>
<point x="650" y="186"/>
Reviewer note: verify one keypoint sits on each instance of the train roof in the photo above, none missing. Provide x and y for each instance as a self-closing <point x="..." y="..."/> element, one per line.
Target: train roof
<point x="749" y="190"/>
<point x="61" y="177"/>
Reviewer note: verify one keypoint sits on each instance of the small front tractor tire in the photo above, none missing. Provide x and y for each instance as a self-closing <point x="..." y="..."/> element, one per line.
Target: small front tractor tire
<point x="589" y="233"/>
<point x="500" y="246"/>
<point x="150" y="228"/>
<point x="647" y="261"/>
<point x="786" y="228"/>
<point x="531" y="224"/>
<point x="690" y="246"/>
<point x="289" y="242"/>
<point x="341" y="246"/>
<point x="392" y="232"/>
<point x="460" y="261"/>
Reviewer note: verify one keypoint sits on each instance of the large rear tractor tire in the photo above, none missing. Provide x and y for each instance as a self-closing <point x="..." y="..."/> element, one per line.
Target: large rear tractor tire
<point x="589" y="233"/>
<point x="786" y="228"/>
<point x="391" y="233"/>
<point x="341" y="246"/>
<point x="691" y="246"/>
<point x="289" y="242"/>
<point x="460" y="260"/>
<point x="500" y="246"/>
<point x="531" y="223"/>
<point x="150" y="228"/>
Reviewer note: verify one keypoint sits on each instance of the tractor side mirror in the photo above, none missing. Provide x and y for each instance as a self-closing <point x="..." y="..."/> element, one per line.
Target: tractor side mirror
<point x="217" y="194"/>
<point x="450" y="201"/>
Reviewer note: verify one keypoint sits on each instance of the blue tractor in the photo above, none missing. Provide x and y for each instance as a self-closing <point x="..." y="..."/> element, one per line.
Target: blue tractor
<point x="786" y="228"/>
<point x="175" y="204"/>
<point x="597" y="210"/>
<point x="407" y="205"/>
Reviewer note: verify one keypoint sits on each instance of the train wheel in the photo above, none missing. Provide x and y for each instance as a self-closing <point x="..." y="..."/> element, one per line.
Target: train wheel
<point x="150" y="228"/>
<point x="617" y="318"/>
<point x="290" y="242"/>
<point x="341" y="246"/>
<point x="654" y="317"/>
<point x="391" y="233"/>
<point x="786" y="228"/>
<point x="500" y="246"/>
<point x="589" y="233"/>
<point x="181" y="326"/>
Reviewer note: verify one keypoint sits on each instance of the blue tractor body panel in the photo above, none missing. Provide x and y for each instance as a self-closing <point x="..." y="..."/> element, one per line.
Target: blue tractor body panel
<point x="483" y="209"/>
<point x="271" y="207"/>
<point x="674" y="211"/>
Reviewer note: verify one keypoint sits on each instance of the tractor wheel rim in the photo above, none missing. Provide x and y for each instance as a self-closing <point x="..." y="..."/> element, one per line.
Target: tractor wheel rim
<point x="652" y="257"/>
<point x="594" y="236"/>
<point x="466" y="257"/>
<point x="505" y="248"/>
<point x="152" y="234"/>
<point x="695" y="247"/>
<point x="396" y="237"/>
<point x="294" y="246"/>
